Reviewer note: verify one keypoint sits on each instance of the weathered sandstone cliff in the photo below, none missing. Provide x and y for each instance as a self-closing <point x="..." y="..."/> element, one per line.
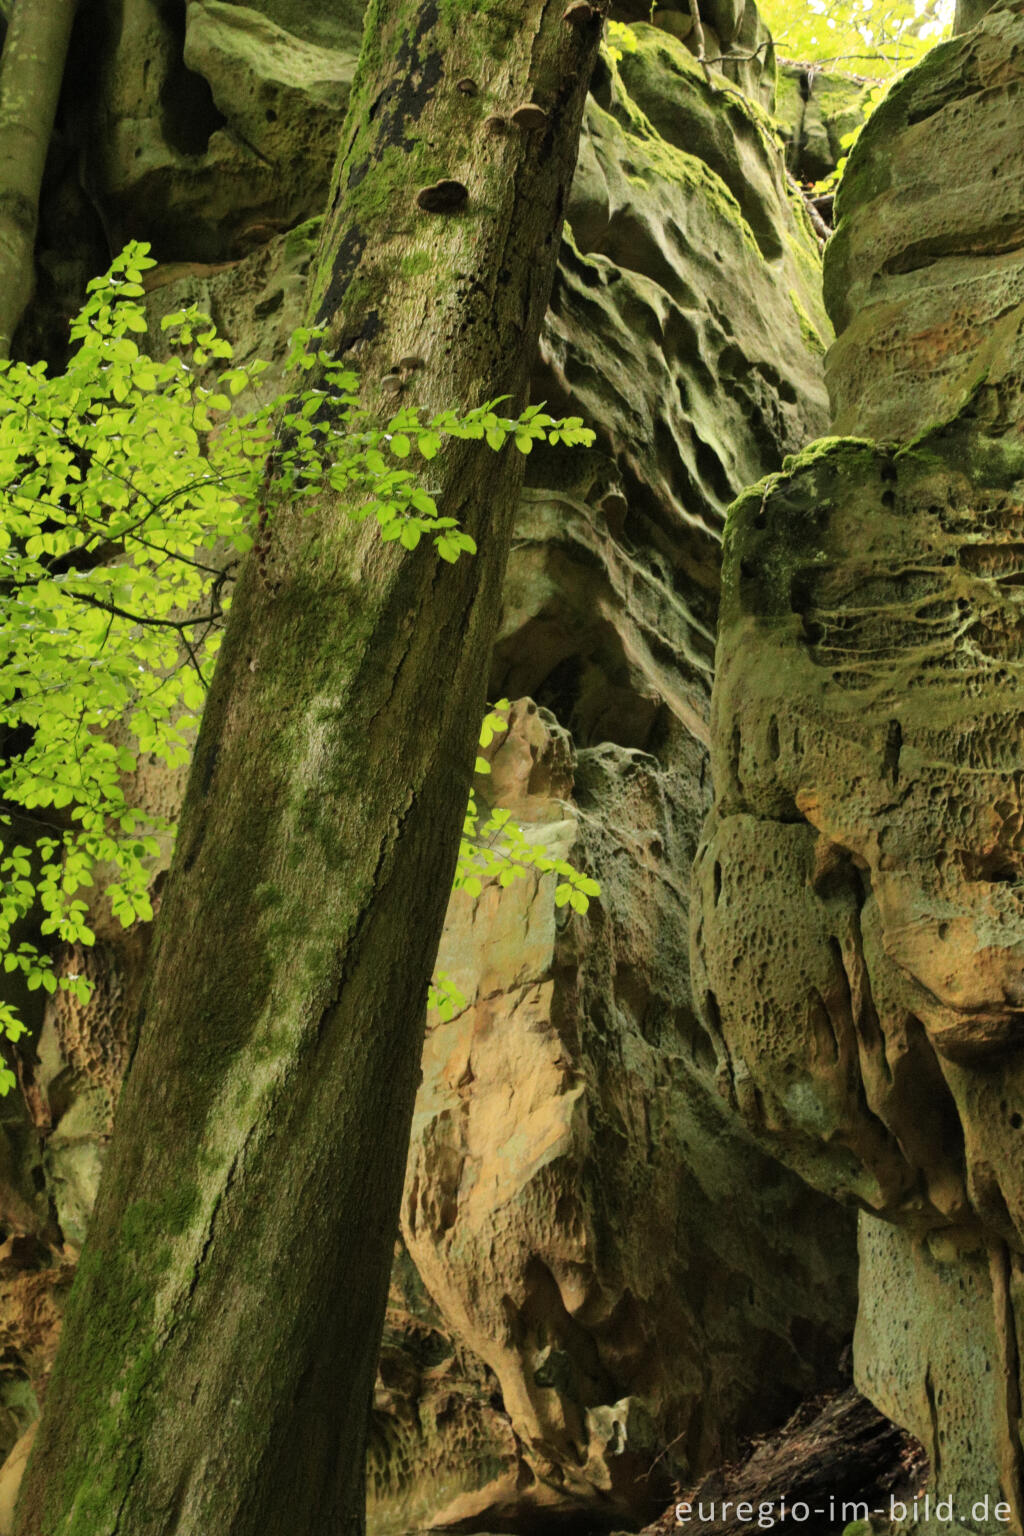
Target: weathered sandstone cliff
<point x="858" y="938"/>
<point x="603" y="1282"/>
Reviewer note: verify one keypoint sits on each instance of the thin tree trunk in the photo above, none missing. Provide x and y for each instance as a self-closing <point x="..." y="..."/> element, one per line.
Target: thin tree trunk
<point x="31" y="70"/>
<point x="221" y="1341"/>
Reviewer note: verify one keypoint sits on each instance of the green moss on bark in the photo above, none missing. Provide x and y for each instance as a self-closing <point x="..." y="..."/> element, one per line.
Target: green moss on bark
<point x="237" y="1268"/>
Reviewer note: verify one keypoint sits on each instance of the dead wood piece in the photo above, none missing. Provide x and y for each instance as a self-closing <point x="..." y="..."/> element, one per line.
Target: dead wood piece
<point x="832" y="1452"/>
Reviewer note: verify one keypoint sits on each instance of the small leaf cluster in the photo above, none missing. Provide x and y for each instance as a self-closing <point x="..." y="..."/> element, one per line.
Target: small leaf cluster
<point x="445" y="998"/>
<point x="494" y="847"/>
<point x="405" y="509"/>
<point x="620" y="39"/>
<point x="130" y="487"/>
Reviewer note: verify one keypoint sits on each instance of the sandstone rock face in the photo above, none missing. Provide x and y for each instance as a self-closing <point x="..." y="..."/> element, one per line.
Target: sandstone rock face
<point x="924" y="287"/>
<point x="736" y="40"/>
<point x="968" y="13"/>
<point x="937" y="1344"/>
<point x="867" y="693"/>
<point x="859" y="932"/>
<point x="569" y="1167"/>
<point x="587" y="1300"/>
<point x="438" y="1415"/>
<point x="817" y="109"/>
<point x="569" y="1159"/>
<point x="686" y="325"/>
<point x="215" y="124"/>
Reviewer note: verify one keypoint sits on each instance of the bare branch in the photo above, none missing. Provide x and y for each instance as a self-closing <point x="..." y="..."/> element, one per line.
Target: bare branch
<point x="741" y="58"/>
<point x="137" y="618"/>
<point x="698" y="35"/>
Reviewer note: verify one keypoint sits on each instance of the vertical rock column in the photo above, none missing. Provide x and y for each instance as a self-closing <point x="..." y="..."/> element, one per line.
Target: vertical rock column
<point x="859" y="925"/>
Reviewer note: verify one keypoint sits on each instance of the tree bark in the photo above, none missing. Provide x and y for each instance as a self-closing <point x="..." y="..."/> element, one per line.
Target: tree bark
<point x="220" y="1345"/>
<point x="31" y="70"/>
<point x="969" y="13"/>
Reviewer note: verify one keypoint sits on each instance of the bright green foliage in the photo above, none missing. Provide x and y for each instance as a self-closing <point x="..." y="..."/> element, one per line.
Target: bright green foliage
<point x="496" y="848"/>
<point x="129" y="489"/>
<point x="493" y="847"/>
<point x="876" y="38"/>
<point x="404" y="509"/>
<point x="619" y="39"/>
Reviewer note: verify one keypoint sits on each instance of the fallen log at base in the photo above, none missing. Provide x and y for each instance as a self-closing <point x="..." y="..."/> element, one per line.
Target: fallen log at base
<point x="835" y="1461"/>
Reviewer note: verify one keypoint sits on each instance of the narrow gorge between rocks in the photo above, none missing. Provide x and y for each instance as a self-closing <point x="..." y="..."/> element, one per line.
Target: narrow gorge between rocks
<point x="695" y="1174"/>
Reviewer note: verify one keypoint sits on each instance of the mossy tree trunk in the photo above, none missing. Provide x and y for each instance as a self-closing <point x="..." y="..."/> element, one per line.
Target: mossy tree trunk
<point x="31" y="70"/>
<point x="220" y="1345"/>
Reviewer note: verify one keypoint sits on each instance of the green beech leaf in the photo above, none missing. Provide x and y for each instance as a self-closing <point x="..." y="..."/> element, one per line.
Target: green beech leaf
<point x="119" y="456"/>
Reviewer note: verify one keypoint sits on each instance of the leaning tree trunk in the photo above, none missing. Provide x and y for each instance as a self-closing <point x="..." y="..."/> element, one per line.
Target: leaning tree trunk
<point x="31" y="70"/>
<point x="219" y="1348"/>
<point x="968" y="13"/>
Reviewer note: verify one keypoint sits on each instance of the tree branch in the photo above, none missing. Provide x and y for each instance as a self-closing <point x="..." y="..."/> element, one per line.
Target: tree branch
<point x="137" y="618"/>
<point x="698" y="34"/>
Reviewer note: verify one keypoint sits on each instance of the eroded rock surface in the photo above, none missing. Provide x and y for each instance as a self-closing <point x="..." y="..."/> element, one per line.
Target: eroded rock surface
<point x="925" y="279"/>
<point x="569" y="1162"/>
<point x="438" y="1415"/>
<point x="736" y="40"/>
<point x="867" y="703"/>
<point x="574" y="1320"/>
<point x="817" y="110"/>
<point x="859" y="933"/>
<point x="215" y="125"/>
<point x="569" y="1168"/>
